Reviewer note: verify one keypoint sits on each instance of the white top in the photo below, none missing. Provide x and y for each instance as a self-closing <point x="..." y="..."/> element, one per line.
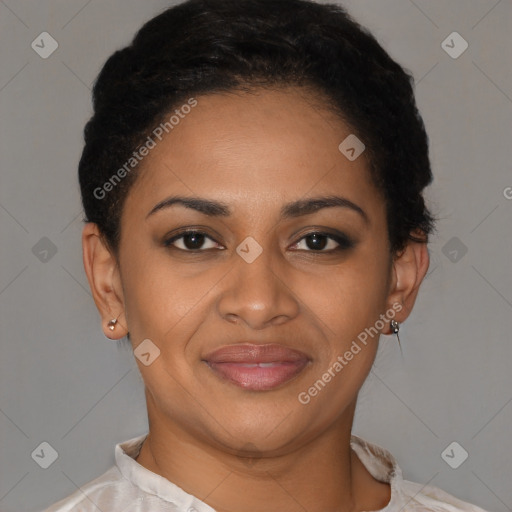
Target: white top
<point x="129" y="487"/>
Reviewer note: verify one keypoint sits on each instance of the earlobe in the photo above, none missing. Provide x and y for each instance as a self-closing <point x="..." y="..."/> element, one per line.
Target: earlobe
<point x="102" y="273"/>
<point x="409" y="269"/>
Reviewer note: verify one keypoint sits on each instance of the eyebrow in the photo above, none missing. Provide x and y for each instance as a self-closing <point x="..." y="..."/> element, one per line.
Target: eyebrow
<point x="290" y="210"/>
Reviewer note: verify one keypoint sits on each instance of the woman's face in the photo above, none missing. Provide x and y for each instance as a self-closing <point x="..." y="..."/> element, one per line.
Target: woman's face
<point x="256" y="273"/>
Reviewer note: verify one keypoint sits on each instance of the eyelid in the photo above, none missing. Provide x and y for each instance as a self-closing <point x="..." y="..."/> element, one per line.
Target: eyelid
<point x="344" y="241"/>
<point x="169" y="240"/>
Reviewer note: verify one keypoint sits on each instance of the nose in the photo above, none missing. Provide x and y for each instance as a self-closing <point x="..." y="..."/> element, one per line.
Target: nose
<point x="258" y="294"/>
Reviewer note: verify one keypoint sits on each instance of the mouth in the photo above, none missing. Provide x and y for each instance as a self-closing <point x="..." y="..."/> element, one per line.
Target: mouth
<point x="257" y="367"/>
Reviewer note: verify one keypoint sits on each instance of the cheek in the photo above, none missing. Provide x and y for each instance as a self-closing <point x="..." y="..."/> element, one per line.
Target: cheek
<point x="348" y="297"/>
<point x="162" y="301"/>
<point x="346" y="305"/>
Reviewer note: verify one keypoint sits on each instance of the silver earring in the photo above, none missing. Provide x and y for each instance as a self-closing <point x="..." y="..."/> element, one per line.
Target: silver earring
<point x="395" y="327"/>
<point x="112" y="324"/>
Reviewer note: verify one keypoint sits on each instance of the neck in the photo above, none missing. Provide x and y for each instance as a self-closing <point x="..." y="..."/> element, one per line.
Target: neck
<point x="324" y="474"/>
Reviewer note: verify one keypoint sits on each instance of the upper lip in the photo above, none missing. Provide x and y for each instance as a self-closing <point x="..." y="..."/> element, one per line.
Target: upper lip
<point x="255" y="353"/>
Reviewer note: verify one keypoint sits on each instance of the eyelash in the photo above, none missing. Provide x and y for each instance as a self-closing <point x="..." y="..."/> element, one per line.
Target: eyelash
<point x="343" y="241"/>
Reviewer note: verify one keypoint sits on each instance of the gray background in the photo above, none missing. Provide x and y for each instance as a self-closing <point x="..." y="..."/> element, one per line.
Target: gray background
<point x="64" y="383"/>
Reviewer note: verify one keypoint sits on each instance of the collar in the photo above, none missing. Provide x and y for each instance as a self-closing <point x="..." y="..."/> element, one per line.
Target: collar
<point x="377" y="460"/>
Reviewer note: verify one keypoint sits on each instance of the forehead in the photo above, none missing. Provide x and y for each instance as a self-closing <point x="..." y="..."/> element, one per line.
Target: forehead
<point x="255" y="151"/>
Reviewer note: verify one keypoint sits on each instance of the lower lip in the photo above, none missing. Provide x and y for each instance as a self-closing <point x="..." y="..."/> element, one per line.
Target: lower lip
<point x="260" y="377"/>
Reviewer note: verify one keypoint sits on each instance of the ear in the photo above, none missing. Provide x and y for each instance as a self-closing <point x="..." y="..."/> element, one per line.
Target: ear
<point x="102" y="271"/>
<point x="409" y="267"/>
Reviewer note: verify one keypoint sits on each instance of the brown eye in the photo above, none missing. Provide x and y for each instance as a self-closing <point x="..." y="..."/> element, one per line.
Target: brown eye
<point x="191" y="241"/>
<point x="324" y="242"/>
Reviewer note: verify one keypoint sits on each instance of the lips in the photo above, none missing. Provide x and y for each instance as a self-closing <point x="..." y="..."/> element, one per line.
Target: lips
<point x="257" y="367"/>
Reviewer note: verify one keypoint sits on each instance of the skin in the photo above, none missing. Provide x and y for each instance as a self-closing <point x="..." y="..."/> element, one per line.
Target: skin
<point x="254" y="153"/>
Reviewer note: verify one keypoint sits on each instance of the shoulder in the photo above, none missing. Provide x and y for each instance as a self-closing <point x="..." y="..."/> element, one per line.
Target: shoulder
<point x="103" y="489"/>
<point x="427" y="498"/>
<point x="406" y="496"/>
<point x="113" y="487"/>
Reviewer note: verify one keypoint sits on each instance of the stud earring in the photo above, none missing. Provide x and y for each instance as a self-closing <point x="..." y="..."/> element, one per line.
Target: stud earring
<point x="395" y="327"/>
<point x="112" y="324"/>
